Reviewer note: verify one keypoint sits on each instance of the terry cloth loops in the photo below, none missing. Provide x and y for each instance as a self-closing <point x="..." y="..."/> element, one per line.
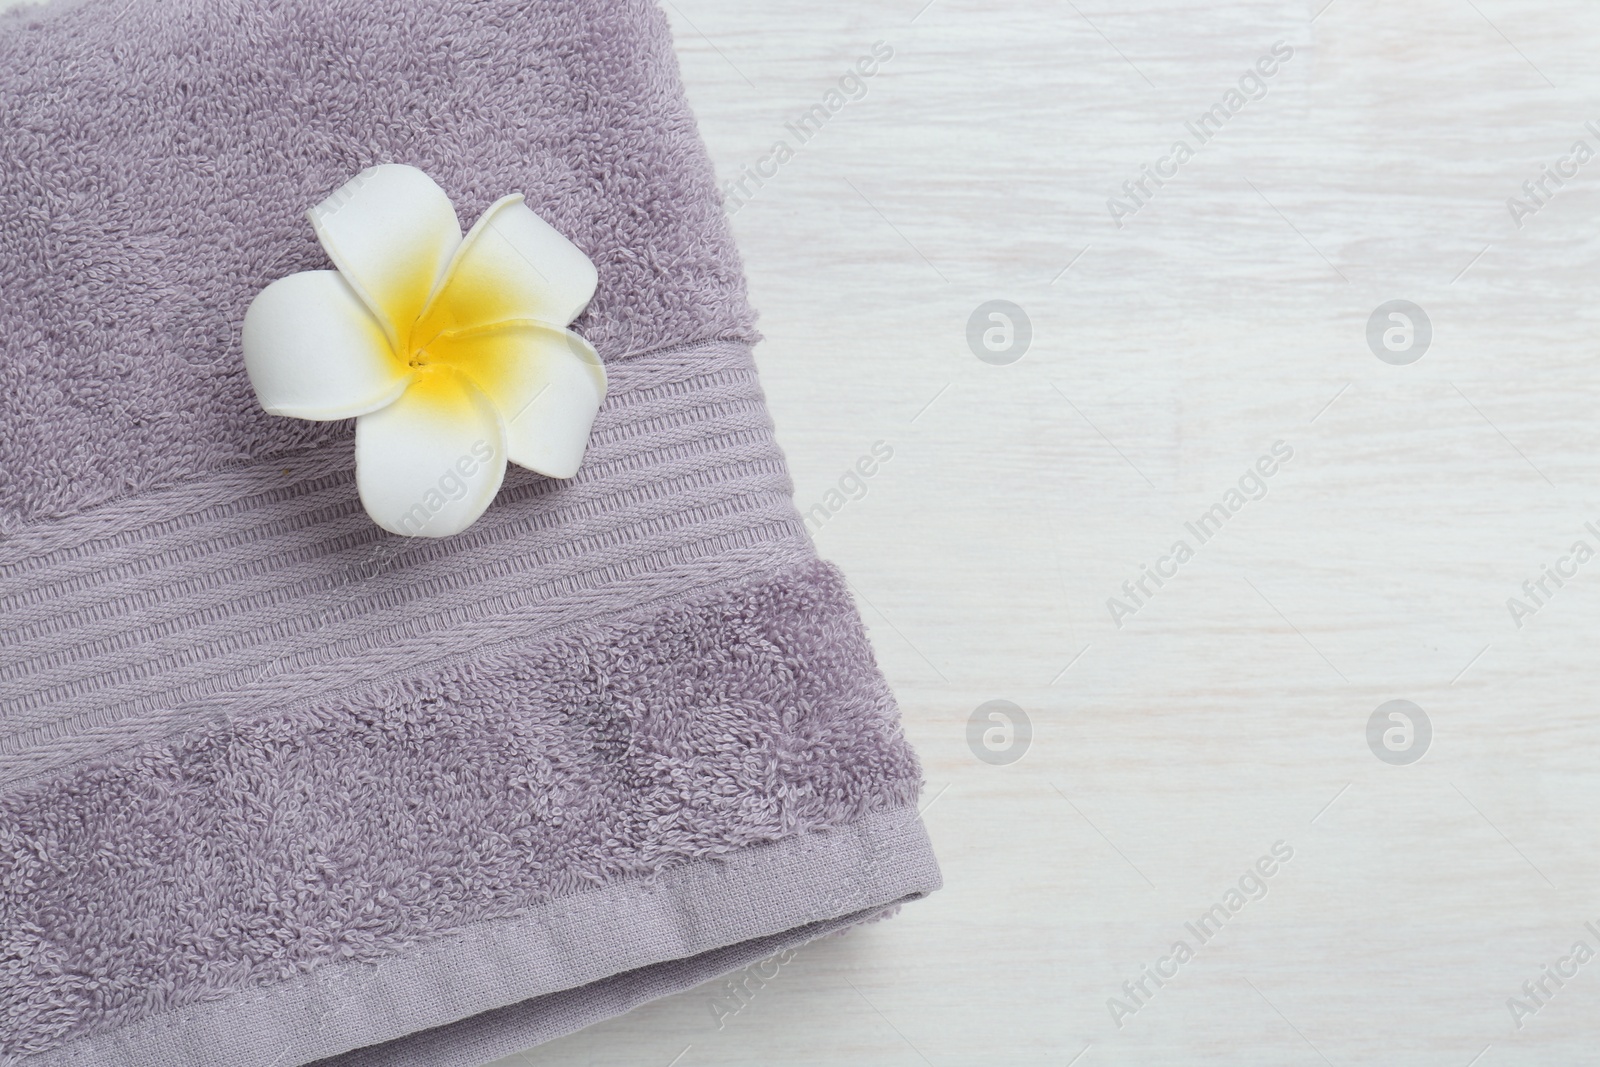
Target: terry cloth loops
<point x="278" y="787"/>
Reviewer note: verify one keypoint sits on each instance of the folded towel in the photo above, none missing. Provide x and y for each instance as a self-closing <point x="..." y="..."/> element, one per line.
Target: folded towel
<point x="278" y="787"/>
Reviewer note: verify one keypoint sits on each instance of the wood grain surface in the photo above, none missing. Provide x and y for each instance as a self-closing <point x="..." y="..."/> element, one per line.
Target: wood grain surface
<point x="1174" y="741"/>
<point x="1229" y="711"/>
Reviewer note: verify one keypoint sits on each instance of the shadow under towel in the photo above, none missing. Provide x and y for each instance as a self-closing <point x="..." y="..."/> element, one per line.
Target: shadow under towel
<point x="279" y="788"/>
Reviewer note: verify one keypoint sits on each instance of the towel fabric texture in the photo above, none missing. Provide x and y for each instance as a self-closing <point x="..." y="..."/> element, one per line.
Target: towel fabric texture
<point x="280" y="788"/>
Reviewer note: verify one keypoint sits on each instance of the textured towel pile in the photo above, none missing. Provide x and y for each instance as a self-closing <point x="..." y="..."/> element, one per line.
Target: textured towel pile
<point x="278" y="787"/>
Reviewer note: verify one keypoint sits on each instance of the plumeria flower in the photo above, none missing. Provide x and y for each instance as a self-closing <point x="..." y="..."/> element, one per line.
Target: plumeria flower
<point x="452" y="353"/>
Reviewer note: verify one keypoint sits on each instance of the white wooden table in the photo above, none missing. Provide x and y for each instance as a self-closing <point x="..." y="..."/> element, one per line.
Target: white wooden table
<point x="1230" y="710"/>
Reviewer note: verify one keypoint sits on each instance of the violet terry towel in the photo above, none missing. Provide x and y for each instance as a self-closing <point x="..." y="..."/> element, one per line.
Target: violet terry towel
<point x="277" y="787"/>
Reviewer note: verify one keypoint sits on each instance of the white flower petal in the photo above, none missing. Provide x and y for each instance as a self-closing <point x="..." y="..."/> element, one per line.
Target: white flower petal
<point x="392" y="231"/>
<point x="512" y="265"/>
<point x="546" y="381"/>
<point x="314" y="351"/>
<point x="431" y="462"/>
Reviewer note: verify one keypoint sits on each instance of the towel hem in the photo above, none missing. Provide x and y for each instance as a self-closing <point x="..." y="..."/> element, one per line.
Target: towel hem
<point x="499" y="986"/>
